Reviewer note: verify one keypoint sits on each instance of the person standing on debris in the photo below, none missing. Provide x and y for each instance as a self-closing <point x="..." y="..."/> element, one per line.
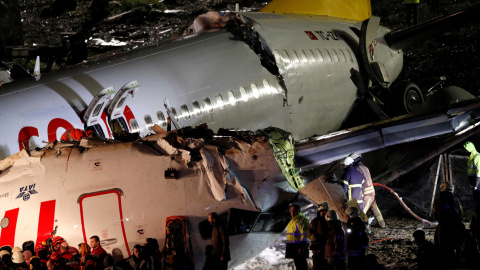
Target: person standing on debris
<point x="220" y="240"/>
<point x="353" y="182"/>
<point x="297" y="240"/>
<point x="426" y="253"/>
<point x="449" y="233"/>
<point x="317" y="232"/>
<point x="412" y="11"/>
<point x="369" y="192"/>
<point x="335" y="252"/>
<point x="357" y="239"/>
<point x="473" y="169"/>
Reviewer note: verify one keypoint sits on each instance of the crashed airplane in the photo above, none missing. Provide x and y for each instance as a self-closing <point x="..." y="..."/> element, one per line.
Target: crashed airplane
<point x="301" y="72"/>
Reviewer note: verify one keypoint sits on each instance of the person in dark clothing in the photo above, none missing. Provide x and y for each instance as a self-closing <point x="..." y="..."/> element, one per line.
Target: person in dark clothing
<point x="353" y="182"/>
<point x="426" y="252"/>
<point x="469" y="252"/>
<point x="335" y="252"/>
<point x="357" y="239"/>
<point x="449" y="233"/>
<point x="317" y="232"/>
<point x="153" y="255"/>
<point x="372" y="263"/>
<point x="137" y="260"/>
<point x="220" y="240"/>
<point x="212" y="262"/>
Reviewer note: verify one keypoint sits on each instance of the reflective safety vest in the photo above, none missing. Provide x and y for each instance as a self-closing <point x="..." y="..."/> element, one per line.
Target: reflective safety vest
<point x="354" y="185"/>
<point x="473" y="164"/>
<point x="369" y="189"/>
<point x="412" y="1"/>
<point x="297" y="229"/>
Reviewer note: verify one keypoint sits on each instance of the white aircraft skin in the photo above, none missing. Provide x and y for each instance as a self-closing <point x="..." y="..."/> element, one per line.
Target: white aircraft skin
<point x="208" y="65"/>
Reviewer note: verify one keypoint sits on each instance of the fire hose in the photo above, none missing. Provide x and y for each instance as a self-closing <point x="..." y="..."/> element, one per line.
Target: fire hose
<point x="405" y="206"/>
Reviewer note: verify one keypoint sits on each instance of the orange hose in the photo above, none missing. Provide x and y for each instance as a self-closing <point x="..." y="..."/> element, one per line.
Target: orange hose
<point x="386" y="239"/>
<point x="404" y="205"/>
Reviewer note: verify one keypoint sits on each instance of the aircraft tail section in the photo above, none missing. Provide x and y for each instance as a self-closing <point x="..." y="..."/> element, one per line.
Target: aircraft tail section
<point x="357" y="10"/>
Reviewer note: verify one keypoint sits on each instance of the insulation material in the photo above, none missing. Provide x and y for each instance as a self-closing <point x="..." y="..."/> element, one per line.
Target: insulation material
<point x="21" y="165"/>
<point x="232" y="180"/>
<point x="213" y="172"/>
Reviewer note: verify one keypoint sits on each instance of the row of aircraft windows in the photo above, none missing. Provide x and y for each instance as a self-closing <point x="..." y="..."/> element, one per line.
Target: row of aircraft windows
<point x="315" y="55"/>
<point x="208" y="107"/>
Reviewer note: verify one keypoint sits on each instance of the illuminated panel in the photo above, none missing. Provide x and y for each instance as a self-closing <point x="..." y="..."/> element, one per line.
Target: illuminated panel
<point x="8" y="233"/>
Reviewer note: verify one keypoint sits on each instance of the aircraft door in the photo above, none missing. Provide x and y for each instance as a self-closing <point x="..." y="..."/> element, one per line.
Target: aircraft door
<point x="95" y="116"/>
<point x="101" y="215"/>
<point x="116" y="110"/>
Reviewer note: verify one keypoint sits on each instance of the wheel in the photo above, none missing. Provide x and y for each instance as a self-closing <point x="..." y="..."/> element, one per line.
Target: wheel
<point x="412" y="98"/>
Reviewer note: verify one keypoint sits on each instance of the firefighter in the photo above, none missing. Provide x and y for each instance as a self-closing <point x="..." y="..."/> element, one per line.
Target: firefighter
<point x="357" y="239"/>
<point x="335" y="253"/>
<point x="75" y="134"/>
<point x="369" y="201"/>
<point x="473" y="169"/>
<point x="450" y="231"/>
<point x="317" y="232"/>
<point x="353" y="182"/>
<point x="297" y="240"/>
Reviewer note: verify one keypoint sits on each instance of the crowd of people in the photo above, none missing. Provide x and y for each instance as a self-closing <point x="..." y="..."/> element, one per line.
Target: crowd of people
<point x="57" y="254"/>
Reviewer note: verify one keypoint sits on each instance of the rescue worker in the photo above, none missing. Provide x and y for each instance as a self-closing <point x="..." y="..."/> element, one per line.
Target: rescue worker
<point x="75" y="134"/>
<point x="317" y="232"/>
<point x="220" y="239"/>
<point x="66" y="254"/>
<point x="473" y="169"/>
<point x="412" y="11"/>
<point x="353" y="182"/>
<point x="335" y="253"/>
<point x="369" y="192"/>
<point x="449" y="233"/>
<point x="357" y="239"/>
<point x="297" y="240"/>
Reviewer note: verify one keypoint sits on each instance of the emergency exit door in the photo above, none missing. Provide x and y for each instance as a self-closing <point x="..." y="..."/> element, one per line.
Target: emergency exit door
<point x="101" y="214"/>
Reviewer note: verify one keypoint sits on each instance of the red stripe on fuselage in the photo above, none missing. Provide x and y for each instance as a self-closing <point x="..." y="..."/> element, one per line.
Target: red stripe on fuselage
<point x="8" y="234"/>
<point x="46" y="220"/>
<point x="128" y="115"/>
<point x="54" y="125"/>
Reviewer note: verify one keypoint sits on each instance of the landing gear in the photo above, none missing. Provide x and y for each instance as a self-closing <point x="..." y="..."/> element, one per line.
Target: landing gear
<point x="412" y="98"/>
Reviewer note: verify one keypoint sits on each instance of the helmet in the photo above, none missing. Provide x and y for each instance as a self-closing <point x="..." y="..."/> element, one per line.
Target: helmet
<point x="17" y="257"/>
<point x="352" y="212"/>
<point x="447" y="186"/>
<point x="347" y="161"/>
<point x="354" y="156"/>
<point x="57" y="240"/>
<point x="469" y="147"/>
<point x="40" y="246"/>
<point x="4" y="252"/>
<point x="323" y="206"/>
<point x="331" y="215"/>
<point x="16" y="249"/>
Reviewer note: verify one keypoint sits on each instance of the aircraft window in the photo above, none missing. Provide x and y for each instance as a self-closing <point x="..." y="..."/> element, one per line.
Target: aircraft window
<point x="207" y="104"/>
<point x="328" y="58"/>
<point x="134" y="125"/>
<point x="254" y="87"/>
<point x="241" y="221"/>
<point x="244" y="94"/>
<point x="286" y="57"/>
<point x="269" y="222"/>
<point x="185" y="112"/>
<point x="161" y="119"/>
<point x="267" y="88"/>
<point x="303" y="56"/>
<point x="174" y="112"/>
<point x="231" y="97"/>
<point x="219" y="99"/>
<point x="311" y="56"/>
<point x="196" y="108"/>
<point x="97" y="110"/>
<point x="335" y="56"/>
<point x="295" y="56"/>
<point x="148" y="121"/>
<point x="319" y="55"/>
<point x="342" y="55"/>
<point x="121" y="102"/>
<point x="349" y="55"/>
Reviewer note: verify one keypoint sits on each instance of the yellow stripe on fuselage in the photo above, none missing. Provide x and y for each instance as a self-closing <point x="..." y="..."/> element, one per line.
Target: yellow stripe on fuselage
<point x="357" y="10"/>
